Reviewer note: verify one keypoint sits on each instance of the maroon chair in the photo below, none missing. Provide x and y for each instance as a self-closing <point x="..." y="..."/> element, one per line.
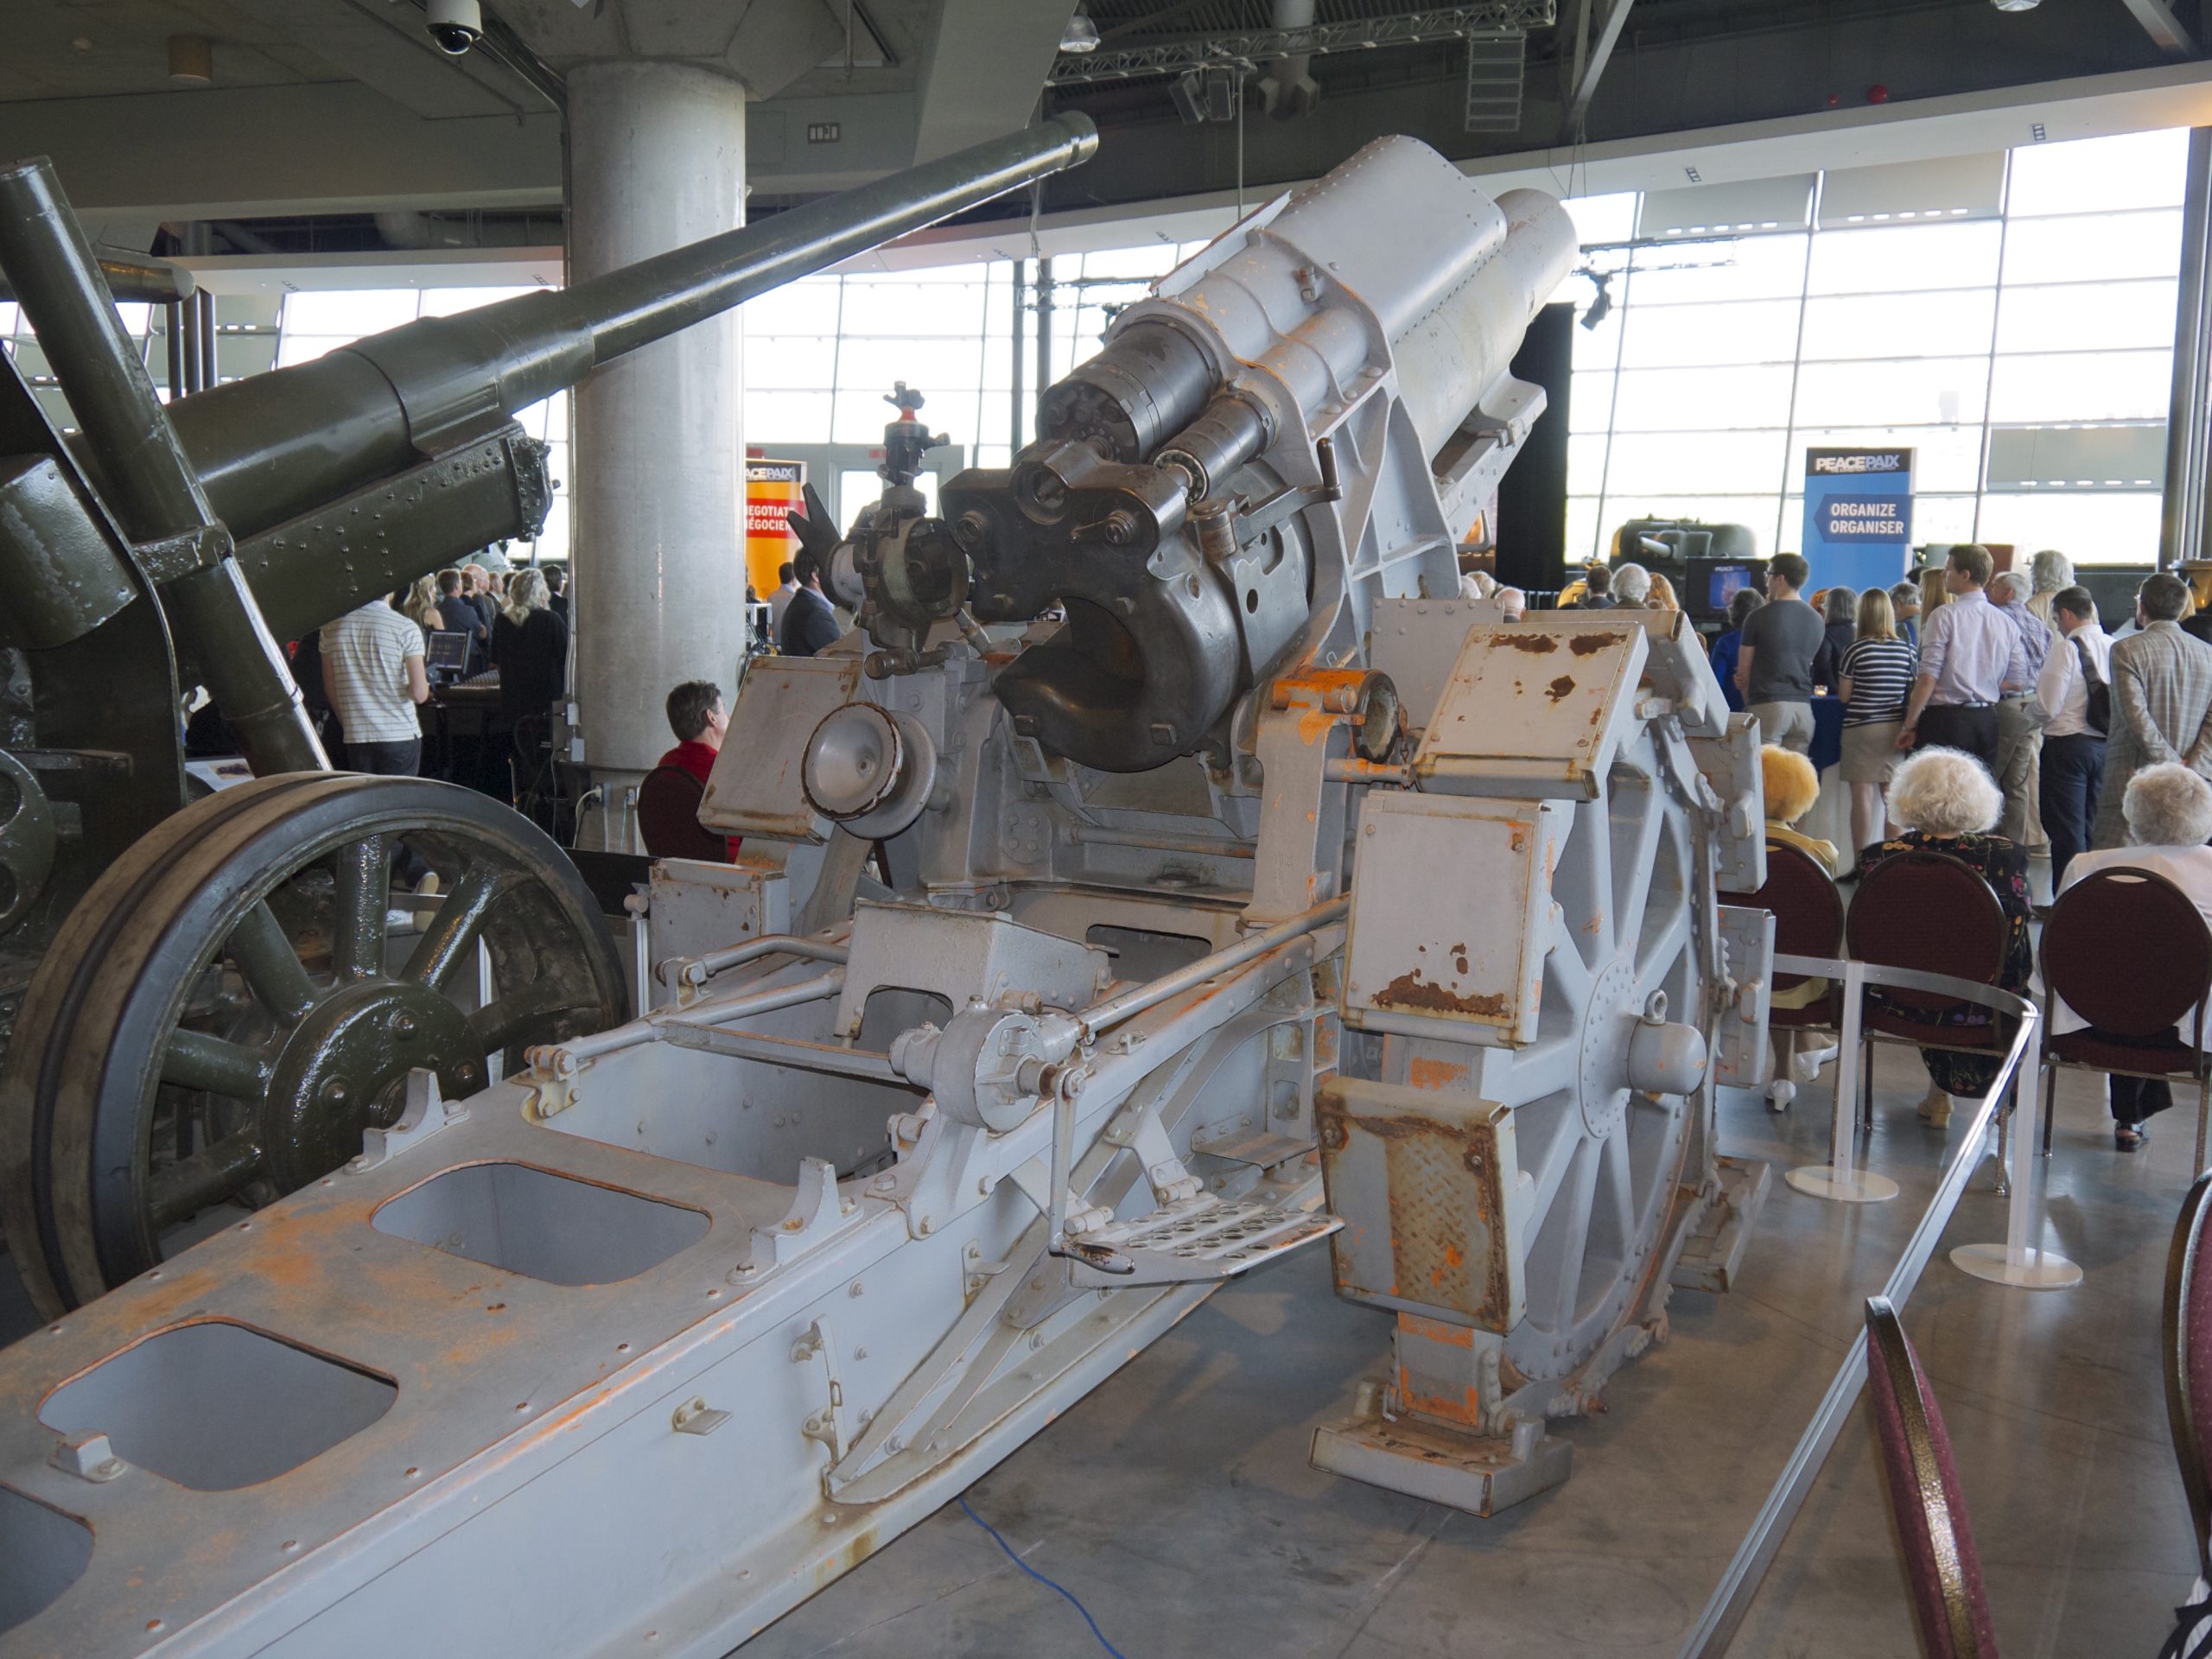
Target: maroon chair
<point x="668" y="818"/>
<point x="2128" y="952"/>
<point x="1932" y="914"/>
<point x="2187" y="1344"/>
<point x="1808" y="922"/>
<point x="1940" y="1563"/>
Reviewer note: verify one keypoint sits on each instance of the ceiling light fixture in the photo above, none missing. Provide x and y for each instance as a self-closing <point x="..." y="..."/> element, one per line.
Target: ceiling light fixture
<point x="1080" y="35"/>
<point x="2016" y="5"/>
<point x="192" y="60"/>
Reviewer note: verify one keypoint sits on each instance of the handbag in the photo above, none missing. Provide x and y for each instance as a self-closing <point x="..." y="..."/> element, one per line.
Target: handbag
<point x="2097" y="713"/>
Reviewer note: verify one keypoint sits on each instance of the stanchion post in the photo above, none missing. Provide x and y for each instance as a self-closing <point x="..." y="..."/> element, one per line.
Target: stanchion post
<point x="2021" y="1260"/>
<point x="1840" y="1180"/>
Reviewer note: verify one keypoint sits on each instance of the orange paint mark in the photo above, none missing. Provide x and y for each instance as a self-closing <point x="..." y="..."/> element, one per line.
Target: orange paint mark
<point x="1451" y="1336"/>
<point x="1422" y="1072"/>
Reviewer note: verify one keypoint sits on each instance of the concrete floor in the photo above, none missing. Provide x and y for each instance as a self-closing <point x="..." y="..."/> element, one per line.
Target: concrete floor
<point x="1176" y="1502"/>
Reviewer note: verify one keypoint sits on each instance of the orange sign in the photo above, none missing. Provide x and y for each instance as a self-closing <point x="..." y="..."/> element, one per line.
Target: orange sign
<point x="771" y="489"/>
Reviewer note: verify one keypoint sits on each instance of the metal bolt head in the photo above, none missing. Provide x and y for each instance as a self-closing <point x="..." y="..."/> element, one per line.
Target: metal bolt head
<point x="403" y="1024"/>
<point x="970" y="529"/>
<point x="334" y="1092"/>
<point x="1121" y="527"/>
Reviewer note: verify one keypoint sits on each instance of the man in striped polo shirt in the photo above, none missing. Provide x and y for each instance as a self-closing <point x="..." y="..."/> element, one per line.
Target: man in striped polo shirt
<point x="372" y="668"/>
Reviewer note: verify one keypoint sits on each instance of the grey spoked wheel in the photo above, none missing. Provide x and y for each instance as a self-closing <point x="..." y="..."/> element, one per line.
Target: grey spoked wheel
<point x="234" y="1002"/>
<point x="1607" y="1159"/>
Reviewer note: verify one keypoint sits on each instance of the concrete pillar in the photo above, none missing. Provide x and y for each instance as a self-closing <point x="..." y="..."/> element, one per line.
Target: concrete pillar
<point x="656" y="160"/>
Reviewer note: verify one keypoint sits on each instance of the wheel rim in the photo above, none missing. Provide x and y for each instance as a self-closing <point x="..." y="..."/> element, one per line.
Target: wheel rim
<point x="233" y="971"/>
<point x="1606" y="1160"/>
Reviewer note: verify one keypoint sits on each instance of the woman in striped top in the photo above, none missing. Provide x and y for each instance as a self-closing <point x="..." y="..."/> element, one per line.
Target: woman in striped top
<point x="1877" y="675"/>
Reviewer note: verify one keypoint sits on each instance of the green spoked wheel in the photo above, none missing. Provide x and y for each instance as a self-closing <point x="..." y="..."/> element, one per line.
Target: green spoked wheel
<point x="236" y="1001"/>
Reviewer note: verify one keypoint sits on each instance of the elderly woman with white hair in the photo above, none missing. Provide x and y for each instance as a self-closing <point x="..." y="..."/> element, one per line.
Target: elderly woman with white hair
<point x="1478" y="584"/>
<point x="1948" y="804"/>
<point x="2169" y="812"/>
<point x="2054" y="574"/>
<point x="1631" y="585"/>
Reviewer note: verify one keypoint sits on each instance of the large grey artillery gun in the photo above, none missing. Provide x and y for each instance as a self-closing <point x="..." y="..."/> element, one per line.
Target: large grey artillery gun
<point x="1246" y="888"/>
<point x="201" y="1001"/>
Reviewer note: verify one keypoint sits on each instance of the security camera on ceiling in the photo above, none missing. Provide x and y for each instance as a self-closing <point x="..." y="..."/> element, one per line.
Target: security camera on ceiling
<point x="454" y="25"/>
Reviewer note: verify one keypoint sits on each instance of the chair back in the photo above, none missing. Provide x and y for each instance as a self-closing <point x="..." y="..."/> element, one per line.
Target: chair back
<point x="1807" y="909"/>
<point x="2128" y="952"/>
<point x="1929" y="913"/>
<point x="2187" y="1346"/>
<point x="668" y="818"/>
<point x="1940" y="1563"/>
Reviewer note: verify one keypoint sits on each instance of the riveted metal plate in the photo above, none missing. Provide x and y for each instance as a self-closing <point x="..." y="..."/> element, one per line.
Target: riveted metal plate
<point x="1451" y="911"/>
<point x="755" y="788"/>
<point x="1424" y="1179"/>
<point x="1534" y="710"/>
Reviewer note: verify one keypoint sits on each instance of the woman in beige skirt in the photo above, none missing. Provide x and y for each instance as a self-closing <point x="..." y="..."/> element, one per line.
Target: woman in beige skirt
<point x="1877" y="678"/>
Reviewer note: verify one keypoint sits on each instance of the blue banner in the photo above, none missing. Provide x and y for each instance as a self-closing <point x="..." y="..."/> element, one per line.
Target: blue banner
<point x="1857" y="516"/>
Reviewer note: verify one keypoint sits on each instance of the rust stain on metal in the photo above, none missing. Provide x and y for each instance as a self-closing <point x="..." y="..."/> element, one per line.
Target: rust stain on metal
<point x="1559" y="687"/>
<point x="1451" y="1336"/>
<point x="1535" y="644"/>
<point x="1440" y="1180"/>
<point x="1442" y="1205"/>
<point x="1586" y="645"/>
<point x="1424" y="1073"/>
<point x="1410" y="990"/>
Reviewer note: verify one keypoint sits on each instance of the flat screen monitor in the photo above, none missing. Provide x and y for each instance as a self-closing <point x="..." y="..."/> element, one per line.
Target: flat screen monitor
<point x="1711" y="584"/>
<point x="447" y="653"/>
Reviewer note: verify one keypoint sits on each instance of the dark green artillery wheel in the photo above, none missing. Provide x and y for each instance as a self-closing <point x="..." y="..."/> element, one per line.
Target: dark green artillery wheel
<point x="228" y="1010"/>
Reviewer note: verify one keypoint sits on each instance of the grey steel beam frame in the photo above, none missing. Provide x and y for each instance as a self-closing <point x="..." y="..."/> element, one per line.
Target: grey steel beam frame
<point x="1731" y="1598"/>
<point x="2189" y="409"/>
<point x="1312" y="40"/>
<point x="2161" y="25"/>
<point x="1589" y="70"/>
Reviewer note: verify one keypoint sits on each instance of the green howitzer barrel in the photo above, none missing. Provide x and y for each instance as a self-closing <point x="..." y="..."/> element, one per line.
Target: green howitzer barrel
<point x="278" y="447"/>
<point x="159" y="547"/>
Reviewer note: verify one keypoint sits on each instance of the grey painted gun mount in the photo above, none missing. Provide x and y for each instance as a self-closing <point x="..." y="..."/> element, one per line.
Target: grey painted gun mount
<point x="1243" y="888"/>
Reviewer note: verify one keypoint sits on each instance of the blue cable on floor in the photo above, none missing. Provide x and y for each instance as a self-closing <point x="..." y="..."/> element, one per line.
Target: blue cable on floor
<point x="1000" y="1540"/>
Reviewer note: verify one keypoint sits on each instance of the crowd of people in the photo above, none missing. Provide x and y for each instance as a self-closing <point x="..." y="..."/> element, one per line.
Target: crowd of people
<point x="1977" y="707"/>
<point x="364" y="679"/>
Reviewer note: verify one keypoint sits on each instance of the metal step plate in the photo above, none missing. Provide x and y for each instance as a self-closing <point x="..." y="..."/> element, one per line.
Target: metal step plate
<point x="1201" y="1238"/>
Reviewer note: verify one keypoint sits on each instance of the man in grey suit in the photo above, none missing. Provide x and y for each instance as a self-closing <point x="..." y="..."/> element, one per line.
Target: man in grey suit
<point x="2161" y="701"/>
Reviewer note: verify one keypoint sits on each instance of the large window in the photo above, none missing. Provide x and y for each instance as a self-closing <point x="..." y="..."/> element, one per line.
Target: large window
<point x="2039" y="323"/>
<point x="1719" y="363"/>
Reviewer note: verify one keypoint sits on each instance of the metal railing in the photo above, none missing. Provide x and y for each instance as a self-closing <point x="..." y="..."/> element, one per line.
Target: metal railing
<point x="1731" y="1598"/>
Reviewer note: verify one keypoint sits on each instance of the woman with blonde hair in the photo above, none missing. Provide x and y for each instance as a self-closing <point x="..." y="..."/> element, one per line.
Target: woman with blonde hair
<point x="529" y="650"/>
<point x="1948" y="804"/>
<point x="1662" y="596"/>
<point x="422" y="605"/>
<point x="1790" y="786"/>
<point x="1934" y="596"/>
<point x="1877" y="674"/>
